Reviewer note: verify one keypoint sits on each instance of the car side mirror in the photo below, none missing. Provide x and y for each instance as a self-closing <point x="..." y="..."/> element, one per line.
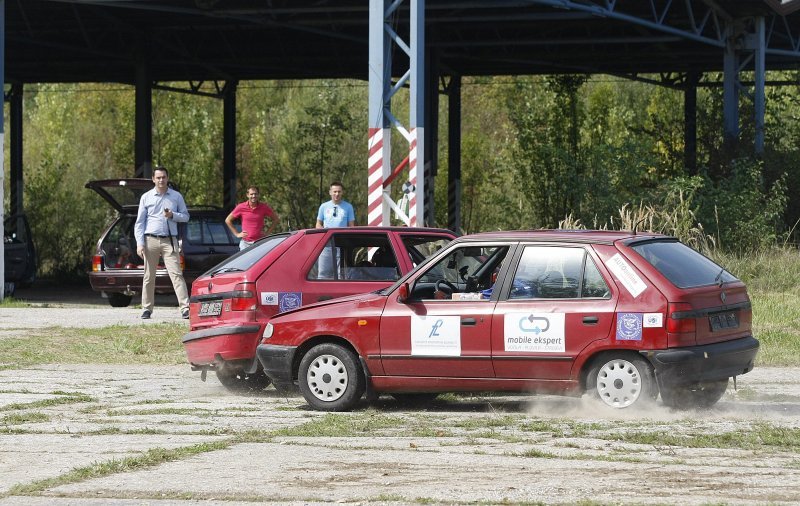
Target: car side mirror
<point x="402" y="293"/>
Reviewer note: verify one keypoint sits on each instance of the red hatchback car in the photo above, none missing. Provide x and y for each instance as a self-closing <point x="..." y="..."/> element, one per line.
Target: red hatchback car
<point x="231" y="304"/>
<point x="620" y="315"/>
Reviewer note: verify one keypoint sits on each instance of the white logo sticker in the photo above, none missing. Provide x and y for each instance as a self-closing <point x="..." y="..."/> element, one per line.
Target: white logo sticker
<point x="626" y="275"/>
<point x="537" y="332"/>
<point x="436" y="335"/>
<point x="655" y="320"/>
<point x="269" y="298"/>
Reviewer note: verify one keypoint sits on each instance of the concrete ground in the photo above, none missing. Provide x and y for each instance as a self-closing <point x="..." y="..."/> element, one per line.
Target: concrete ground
<point x="133" y="435"/>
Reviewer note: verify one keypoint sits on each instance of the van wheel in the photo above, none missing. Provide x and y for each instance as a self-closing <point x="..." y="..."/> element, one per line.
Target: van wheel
<point x="330" y="378"/>
<point x="117" y="299"/>
<point x="702" y="395"/>
<point x="238" y="381"/>
<point x="622" y="381"/>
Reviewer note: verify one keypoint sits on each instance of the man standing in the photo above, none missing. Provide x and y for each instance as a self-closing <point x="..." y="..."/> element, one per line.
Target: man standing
<point x="253" y="214"/>
<point x="336" y="212"/>
<point x="156" y="231"/>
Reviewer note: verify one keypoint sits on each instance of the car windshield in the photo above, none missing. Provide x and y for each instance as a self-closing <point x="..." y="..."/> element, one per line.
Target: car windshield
<point x="246" y="258"/>
<point x="683" y="266"/>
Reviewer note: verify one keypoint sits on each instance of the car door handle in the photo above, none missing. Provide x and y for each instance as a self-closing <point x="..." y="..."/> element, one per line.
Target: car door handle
<point x="468" y="321"/>
<point x="324" y="297"/>
<point x="590" y="320"/>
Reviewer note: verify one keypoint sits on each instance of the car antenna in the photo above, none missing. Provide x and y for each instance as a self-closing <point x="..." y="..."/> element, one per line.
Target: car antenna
<point x="636" y="225"/>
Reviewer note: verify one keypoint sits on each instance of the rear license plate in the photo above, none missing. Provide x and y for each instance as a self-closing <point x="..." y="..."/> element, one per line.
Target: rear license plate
<point x="211" y="308"/>
<point x="723" y="321"/>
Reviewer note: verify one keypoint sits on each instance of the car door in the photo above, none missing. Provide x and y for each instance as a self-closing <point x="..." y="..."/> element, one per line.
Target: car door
<point x="444" y="327"/>
<point x="553" y="304"/>
<point x="349" y="262"/>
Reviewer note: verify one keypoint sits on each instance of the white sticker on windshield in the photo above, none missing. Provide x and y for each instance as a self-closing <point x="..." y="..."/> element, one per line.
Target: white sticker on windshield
<point x="626" y="275"/>
<point x="436" y="335"/>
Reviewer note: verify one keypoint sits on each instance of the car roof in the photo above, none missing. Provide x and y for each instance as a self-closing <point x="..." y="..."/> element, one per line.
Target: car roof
<point x="365" y="228"/>
<point x="553" y="235"/>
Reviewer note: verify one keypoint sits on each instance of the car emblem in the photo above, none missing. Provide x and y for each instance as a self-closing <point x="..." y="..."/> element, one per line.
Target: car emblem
<point x="209" y="286"/>
<point x="723" y="296"/>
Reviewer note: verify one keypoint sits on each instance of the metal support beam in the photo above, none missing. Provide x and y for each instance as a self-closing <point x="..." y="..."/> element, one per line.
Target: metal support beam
<point x="730" y="93"/>
<point x="143" y="142"/>
<point x="690" y="123"/>
<point x="454" y="155"/>
<point x="382" y="34"/>
<point x="2" y="142"/>
<point x="431" y="134"/>
<point x="760" y="77"/>
<point x="17" y="205"/>
<point x="229" y="145"/>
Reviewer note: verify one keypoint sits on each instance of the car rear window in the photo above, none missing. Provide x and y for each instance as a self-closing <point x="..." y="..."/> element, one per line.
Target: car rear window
<point x="246" y="258"/>
<point x="681" y="265"/>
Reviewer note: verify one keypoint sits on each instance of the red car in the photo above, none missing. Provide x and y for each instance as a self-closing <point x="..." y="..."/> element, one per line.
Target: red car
<point x="231" y="304"/>
<point x="620" y="315"/>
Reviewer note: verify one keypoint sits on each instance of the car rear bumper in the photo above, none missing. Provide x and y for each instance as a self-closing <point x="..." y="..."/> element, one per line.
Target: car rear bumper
<point x="682" y="366"/>
<point x="277" y="362"/>
<point x="230" y="342"/>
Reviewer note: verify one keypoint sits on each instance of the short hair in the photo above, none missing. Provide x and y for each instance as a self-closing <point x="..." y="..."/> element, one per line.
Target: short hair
<point x="253" y="187"/>
<point x="162" y="168"/>
<point x="337" y="183"/>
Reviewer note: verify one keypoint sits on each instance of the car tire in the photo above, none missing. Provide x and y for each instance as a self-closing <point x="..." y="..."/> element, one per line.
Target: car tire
<point x="702" y="395"/>
<point x="238" y="381"/>
<point x="622" y="380"/>
<point x="330" y="378"/>
<point x="117" y="299"/>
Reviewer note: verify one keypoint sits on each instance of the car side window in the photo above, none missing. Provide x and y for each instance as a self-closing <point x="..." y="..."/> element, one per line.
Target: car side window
<point x="549" y="272"/>
<point x="466" y="273"/>
<point x="421" y="247"/>
<point x="356" y="257"/>
<point x="211" y="231"/>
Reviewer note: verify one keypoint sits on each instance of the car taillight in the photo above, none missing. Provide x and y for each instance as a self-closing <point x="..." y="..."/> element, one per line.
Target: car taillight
<point x="244" y="297"/>
<point x="183" y="262"/>
<point x="97" y="263"/>
<point x="681" y="326"/>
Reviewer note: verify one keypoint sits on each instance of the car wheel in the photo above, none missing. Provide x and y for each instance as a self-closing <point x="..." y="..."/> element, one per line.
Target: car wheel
<point x="330" y="378"/>
<point x="703" y="395"/>
<point x="117" y="299"/>
<point x="415" y="399"/>
<point x="238" y="381"/>
<point x="622" y="381"/>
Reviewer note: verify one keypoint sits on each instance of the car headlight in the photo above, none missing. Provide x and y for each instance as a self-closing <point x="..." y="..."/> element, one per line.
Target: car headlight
<point x="268" y="331"/>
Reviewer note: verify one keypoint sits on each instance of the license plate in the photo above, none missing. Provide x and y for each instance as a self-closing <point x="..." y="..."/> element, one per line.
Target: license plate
<point x="723" y="321"/>
<point x="211" y="308"/>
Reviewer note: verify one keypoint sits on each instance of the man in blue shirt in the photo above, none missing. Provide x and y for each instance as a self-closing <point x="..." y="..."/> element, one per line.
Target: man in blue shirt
<point x="156" y="231"/>
<point x="336" y="212"/>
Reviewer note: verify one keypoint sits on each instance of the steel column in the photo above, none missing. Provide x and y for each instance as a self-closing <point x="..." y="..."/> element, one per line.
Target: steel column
<point x="431" y="135"/>
<point x="2" y="142"/>
<point x="730" y="96"/>
<point x="454" y="155"/>
<point x="143" y="143"/>
<point x="760" y="77"/>
<point x="17" y="205"/>
<point x="690" y="123"/>
<point x="416" y="173"/>
<point x="229" y="145"/>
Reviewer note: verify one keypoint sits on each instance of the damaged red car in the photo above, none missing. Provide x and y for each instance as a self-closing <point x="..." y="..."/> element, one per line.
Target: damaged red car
<point x="624" y="317"/>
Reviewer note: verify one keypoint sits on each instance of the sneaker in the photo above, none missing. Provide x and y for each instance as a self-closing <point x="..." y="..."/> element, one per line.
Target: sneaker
<point x="185" y="314"/>
<point x="146" y="314"/>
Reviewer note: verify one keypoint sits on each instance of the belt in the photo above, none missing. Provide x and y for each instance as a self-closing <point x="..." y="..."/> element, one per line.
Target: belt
<point x="157" y="236"/>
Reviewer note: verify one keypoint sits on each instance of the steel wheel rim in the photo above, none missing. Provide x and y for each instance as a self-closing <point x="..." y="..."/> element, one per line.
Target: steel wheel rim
<point x="619" y="383"/>
<point x="327" y="378"/>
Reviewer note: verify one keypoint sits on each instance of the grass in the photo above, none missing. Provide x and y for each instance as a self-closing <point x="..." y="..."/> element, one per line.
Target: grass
<point x="116" y="344"/>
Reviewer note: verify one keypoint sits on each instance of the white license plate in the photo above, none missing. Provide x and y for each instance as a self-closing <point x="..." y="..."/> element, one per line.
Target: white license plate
<point x="211" y="308"/>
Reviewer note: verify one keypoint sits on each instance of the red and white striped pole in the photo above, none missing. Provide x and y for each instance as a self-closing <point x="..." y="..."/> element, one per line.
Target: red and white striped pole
<point x="375" y="178"/>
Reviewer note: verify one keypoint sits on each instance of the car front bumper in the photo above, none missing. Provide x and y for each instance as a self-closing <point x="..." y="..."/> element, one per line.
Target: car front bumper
<point x="277" y="362"/>
<point x="695" y="364"/>
<point x="229" y="342"/>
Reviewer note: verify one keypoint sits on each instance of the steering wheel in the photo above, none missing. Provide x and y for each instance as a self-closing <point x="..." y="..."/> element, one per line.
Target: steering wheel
<point x="449" y="288"/>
